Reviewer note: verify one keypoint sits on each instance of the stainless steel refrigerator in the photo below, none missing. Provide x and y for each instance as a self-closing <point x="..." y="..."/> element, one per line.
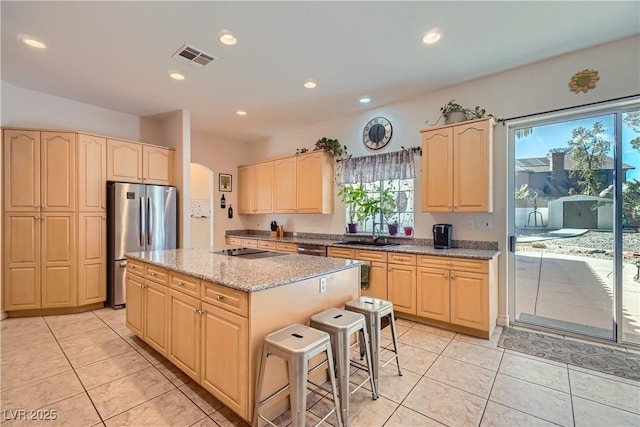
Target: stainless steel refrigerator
<point x="139" y="218"/>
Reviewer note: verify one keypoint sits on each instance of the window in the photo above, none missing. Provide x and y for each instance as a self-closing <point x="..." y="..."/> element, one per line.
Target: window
<point x="388" y="183"/>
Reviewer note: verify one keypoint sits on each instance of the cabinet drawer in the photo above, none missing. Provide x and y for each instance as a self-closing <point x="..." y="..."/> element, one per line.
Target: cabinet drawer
<point x="234" y="241"/>
<point x="227" y="298"/>
<point x="266" y="244"/>
<point x="187" y="284"/>
<point x="250" y="242"/>
<point x="460" y="264"/>
<point x="287" y="247"/>
<point x="404" y="259"/>
<point x="370" y="255"/>
<point x="157" y="274"/>
<point x="135" y="267"/>
<point x="340" y="253"/>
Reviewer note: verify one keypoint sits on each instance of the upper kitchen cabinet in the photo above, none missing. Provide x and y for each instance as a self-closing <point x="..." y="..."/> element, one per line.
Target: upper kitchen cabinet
<point x="124" y="161"/>
<point x="284" y="185"/>
<point x="246" y="189"/>
<point x="457" y="167"/>
<point x="39" y="171"/>
<point x="157" y="165"/>
<point x="296" y="184"/>
<point x="314" y="183"/>
<point x="135" y="162"/>
<point x="92" y="173"/>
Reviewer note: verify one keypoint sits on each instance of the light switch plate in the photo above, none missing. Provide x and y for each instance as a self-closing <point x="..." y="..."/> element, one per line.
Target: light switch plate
<point x="323" y="285"/>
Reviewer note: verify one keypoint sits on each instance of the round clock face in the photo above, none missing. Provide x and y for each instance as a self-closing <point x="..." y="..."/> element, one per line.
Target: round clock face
<point x="377" y="133"/>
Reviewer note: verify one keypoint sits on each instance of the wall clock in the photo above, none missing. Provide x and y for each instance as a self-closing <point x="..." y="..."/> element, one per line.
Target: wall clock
<point x="377" y="133"/>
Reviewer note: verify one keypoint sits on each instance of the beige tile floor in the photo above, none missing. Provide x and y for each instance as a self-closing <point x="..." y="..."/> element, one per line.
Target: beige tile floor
<point x="91" y="370"/>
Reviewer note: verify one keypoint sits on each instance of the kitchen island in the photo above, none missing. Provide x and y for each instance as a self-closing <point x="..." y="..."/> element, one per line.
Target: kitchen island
<point x="209" y="313"/>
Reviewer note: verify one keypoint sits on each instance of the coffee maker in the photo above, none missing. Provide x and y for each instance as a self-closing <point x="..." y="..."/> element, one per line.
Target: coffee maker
<point x="442" y="236"/>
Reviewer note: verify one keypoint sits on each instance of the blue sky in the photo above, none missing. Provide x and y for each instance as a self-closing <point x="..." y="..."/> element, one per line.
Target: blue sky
<point x="556" y="135"/>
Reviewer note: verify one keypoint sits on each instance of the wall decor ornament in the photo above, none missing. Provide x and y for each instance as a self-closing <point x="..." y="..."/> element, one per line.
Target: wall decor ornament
<point x="583" y="80"/>
<point x="224" y="182"/>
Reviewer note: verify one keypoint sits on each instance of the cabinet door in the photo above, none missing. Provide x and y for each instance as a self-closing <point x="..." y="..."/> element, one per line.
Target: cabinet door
<point x="433" y="294"/>
<point x="21" y="266"/>
<point x="246" y="189"/>
<point x="437" y="173"/>
<point x="92" y="173"/>
<point x="157" y="165"/>
<point x="284" y="184"/>
<point x="58" y="171"/>
<point x="401" y="288"/>
<point x="184" y="333"/>
<point x="156" y="316"/>
<point x="124" y="161"/>
<point x="314" y="183"/>
<point x="377" y="281"/>
<point x="264" y="187"/>
<point x="134" y="291"/>
<point x="470" y="300"/>
<point x="21" y="175"/>
<point x="225" y="365"/>
<point x="58" y="243"/>
<point x="92" y="246"/>
<point x="472" y="167"/>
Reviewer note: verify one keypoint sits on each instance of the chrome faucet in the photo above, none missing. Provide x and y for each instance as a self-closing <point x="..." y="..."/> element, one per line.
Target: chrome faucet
<point x="373" y="232"/>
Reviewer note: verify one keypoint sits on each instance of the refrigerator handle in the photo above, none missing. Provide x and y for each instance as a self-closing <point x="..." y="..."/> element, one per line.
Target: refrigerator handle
<point x="141" y="223"/>
<point x="149" y="239"/>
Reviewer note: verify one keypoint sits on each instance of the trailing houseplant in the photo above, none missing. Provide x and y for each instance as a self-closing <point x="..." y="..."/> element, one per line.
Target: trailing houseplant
<point x="331" y="146"/>
<point x="452" y="112"/>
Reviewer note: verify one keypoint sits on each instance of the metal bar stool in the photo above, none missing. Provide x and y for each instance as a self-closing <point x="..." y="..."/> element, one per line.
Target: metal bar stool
<point x="340" y="325"/>
<point x="296" y="344"/>
<point x="374" y="310"/>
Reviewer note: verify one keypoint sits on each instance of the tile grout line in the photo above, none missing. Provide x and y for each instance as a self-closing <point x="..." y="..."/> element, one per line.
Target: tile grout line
<point x="493" y="383"/>
<point x="573" y="412"/>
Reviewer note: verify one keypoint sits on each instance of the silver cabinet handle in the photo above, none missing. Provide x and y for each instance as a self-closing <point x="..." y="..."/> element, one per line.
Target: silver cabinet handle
<point x="219" y="297"/>
<point x="453" y="277"/>
<point x="180" y="284"/>
<point x="35" y="217"/>
<point x="42" y="206"/>
<point x="153" y="274"/>
<point x="445" y="276"/>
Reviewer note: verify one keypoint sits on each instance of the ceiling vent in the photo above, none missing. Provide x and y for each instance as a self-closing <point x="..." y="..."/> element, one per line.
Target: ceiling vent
<point x="192" y="56"/>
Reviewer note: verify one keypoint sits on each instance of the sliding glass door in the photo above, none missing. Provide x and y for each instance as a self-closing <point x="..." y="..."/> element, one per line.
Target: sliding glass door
<point x="575" y="218"/>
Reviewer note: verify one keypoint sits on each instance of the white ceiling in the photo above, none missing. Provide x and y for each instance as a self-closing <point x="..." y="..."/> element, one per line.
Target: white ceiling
<point x="117" y="55"/>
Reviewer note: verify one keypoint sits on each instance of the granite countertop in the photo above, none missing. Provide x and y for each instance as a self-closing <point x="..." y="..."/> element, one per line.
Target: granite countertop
<point x="248" y="275"/>
<point x="469" y="253"/>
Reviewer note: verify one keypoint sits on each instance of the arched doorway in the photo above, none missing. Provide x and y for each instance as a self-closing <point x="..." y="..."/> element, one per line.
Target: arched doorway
<point x="201" y="206"/>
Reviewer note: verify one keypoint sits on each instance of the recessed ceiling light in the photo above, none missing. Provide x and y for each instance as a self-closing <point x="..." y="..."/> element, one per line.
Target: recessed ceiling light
<point x="310" y="84"/>
<point x="365" y="100"/>
<point x="431" y="37"/>
<point x="34" y="43"/>
<point x="241" y="112"/>
<point x="176" y="76"/>
<point x="227" y="38"/>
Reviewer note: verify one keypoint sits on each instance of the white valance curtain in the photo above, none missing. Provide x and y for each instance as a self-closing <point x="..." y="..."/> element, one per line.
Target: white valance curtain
<point x="379" y="167"/>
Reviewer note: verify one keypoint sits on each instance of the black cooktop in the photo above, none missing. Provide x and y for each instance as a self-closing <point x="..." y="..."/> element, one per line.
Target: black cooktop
<point x="250" y="253"/>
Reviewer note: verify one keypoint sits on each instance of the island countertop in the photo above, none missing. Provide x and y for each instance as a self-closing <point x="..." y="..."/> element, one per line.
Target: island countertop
<point x="248" y="275"/>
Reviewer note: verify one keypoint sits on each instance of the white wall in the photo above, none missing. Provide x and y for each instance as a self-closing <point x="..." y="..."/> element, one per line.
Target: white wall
<point x="222" y="156"/>
<point x="201" y="189"/>
<point x="532" y="89"/>
<point x="27" y="108"/>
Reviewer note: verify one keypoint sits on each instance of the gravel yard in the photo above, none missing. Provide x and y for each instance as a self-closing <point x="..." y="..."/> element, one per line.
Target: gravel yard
<point x="595" y="244"/>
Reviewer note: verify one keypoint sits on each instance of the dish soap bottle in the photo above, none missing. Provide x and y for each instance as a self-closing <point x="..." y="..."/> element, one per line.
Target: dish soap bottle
<point x="230" y="212"/>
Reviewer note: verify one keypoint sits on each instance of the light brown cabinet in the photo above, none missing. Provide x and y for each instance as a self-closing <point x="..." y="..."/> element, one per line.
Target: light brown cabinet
<point x="284" y="185"/>
<point x="92" y="173"/>
<point x="135" y="162"/>
<point x="39" y="171"/>
<point x="225" y="356"/>
<point x="457" y="167"/>
<point x="134" y="289"/>
<point x="185" y="319"/>
<point x="297" y="184"/>
<point x="401" y="287"/>
<point x="92" y="260"/>
<point x="156" y="315"/>
<point x="58" y="258"/>
<point x="246" y="189"/>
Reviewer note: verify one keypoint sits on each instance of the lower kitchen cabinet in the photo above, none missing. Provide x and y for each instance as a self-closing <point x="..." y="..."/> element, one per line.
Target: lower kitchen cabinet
<point x="134" y="290"/>
<point x="433" y="294"/>
<point x="401" y="287"/>
<point x="156" y="316"/>
<point x="92" y="260"/>
<point x="185" y="318"/>
<point x="377" y="280"/>
<point x="225" y="353"/>
<point x="470" y="299"/>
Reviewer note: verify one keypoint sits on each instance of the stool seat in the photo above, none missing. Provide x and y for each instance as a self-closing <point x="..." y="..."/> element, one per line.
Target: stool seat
<point x="296" y="344"/>
<point x="374" y="309"/>
<point x="337" y="319"/>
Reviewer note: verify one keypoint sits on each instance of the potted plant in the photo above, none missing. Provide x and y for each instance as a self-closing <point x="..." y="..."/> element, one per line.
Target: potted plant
<point x="357" y="202"/>
<point x="331" y="146"/>
<point x="387" y="205"/>
<point x="408" y="229"/>
<point x="454" y="112"/>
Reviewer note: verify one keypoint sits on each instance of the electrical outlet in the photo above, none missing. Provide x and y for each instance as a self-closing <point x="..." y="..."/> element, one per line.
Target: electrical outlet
<point x="483" y="224"/>
<point x="323" y="285"/>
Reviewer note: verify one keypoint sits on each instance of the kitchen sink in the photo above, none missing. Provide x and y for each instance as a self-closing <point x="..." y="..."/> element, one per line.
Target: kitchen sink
<point x="367" y="243"/>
